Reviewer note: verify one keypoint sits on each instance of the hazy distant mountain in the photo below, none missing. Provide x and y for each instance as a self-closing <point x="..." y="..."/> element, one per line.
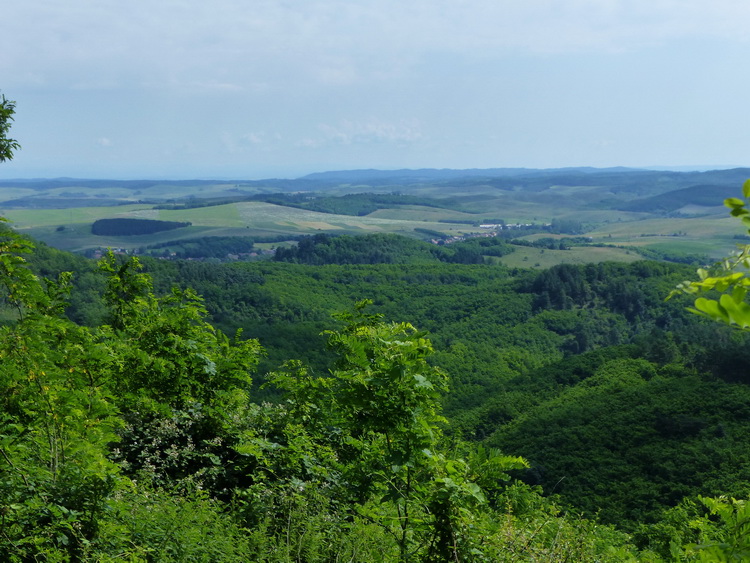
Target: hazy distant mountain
<point x="442" y="174"/>
<point x="623" y="184"/>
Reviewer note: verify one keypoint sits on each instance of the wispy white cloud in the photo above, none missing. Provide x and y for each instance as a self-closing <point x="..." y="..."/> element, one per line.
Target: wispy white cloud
<point x="227" y="43"/>
<point x="251" y="142"/>
<point x="365" y="132"/>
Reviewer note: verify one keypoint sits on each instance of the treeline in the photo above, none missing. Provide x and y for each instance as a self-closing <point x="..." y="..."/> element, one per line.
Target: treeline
<point x="202" y="248"/>
<point x="121" y="226"/>
<point x="387" y="249"/>
<point x="359" y="204"/>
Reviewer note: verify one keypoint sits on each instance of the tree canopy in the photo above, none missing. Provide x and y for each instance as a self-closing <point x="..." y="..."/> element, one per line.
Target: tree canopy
<point x="7" y="145"/>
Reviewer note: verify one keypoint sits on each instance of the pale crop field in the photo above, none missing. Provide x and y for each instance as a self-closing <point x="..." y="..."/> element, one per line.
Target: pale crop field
<point x="15" y="193"/>
<point x="713" y="235"/>
<point x="421" y="213"/>
<point x="213" y="216"/>
<point x="70" y="229"/>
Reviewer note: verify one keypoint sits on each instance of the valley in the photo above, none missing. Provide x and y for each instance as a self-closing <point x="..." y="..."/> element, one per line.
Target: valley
<point x="676" y="215"/>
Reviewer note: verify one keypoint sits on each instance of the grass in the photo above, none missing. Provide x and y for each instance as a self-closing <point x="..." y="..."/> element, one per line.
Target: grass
<point x="421" y="213"/>
<point x="70" y="229"/>
<point x="712" y="234"/>
<point x="529" y="257"/>
<point x="28" y="218"/>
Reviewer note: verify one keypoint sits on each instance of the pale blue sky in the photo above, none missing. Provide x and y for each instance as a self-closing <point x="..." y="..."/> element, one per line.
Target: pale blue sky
<point x="261" y="88"/>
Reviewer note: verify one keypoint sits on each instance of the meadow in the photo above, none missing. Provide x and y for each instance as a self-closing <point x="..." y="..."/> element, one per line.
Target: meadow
<point x="70" y="229"/>
<point x="627" y="211"/>
<point x="539" y="258"/>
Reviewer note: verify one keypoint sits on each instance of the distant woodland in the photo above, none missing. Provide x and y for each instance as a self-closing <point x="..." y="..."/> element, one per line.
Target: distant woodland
<point x="132" y="227"/>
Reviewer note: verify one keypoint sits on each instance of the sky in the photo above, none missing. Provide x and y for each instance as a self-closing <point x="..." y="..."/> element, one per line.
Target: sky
<point x="250" y="89"/>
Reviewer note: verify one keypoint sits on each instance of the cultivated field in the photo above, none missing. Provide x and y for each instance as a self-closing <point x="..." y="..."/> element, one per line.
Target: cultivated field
<point x="70" y="229"/>
<point x="527" y="257"/>
<point x="660" y="211"/>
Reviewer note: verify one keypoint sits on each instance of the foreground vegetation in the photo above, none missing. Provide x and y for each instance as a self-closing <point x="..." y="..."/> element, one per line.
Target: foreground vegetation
<point x="586" y="418"/>
<point x="137" y="440"/>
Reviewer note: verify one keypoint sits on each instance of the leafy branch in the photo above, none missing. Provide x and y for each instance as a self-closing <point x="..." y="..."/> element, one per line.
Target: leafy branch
<point x="729" y="277"/>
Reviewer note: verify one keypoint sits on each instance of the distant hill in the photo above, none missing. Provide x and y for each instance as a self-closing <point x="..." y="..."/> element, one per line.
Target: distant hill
<point x="626" y="183"/>
<point x="701" y="195"/>
<point x="430" y="175"/>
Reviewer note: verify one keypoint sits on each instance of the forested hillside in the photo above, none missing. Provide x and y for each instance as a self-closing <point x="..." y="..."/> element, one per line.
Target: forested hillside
<point x="567" y="414"/>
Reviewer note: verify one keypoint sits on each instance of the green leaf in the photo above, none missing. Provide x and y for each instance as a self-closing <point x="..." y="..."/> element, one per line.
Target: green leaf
<point x="746" y="188"/>
<point x="738" y="312"/>
<point x="734" y="202"/>
<point x="712" y="308"/>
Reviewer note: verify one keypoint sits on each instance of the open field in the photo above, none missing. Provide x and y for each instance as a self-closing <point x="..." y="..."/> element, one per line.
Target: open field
<point x="713" y="236"/>
<point x="529" y="257"/>
<point x="24" y="219"/>
<point x="668" y="212"/>
<point x="70" y="229"/>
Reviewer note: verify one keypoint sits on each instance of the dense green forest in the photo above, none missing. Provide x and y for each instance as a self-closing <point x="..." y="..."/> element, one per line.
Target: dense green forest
<point x="568" y="414"/>
<point x="353" y="204"/>
<point x="132" y="227"/>
<point x="388" y="249"/>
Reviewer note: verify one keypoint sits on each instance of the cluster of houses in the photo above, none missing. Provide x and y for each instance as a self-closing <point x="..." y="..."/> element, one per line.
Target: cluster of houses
<point x="495" y="228"/>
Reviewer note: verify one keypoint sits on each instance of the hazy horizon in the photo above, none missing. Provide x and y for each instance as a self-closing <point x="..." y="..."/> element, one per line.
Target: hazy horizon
<point x="354" y="170"/>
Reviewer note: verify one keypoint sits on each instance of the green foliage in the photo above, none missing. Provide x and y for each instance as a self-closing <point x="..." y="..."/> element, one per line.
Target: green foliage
<point x="154" y="424"/>
<point x="388" y="398"/>
<point x="7" y="145"/>
<point x="728" y="277"/>
<point x="478" y="246"/>
<point x="58" y="420"/>
<point x="205" y="247"/>
<point x="650" y="439"/>
<point x="723" y="532"/>
<point x="701" y="529"/>
<point x="377" y="419"/>
<point x="372" y="249"/>
<point x="358" y="204"/>
<point x="127" y="291"/>
<point x="145" y="524"/>
<point x="568" y="226"/>
<point x="20" y="287"/>
<point x="168" y="353"/>
<point x="323" y="249"/>
<point x="124" y="226"/>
